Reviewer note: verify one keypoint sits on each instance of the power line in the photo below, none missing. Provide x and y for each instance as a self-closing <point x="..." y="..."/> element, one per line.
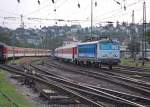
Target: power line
<point x="12" y="13"/>
<point x="117" y="11"/>
<point x="116" y="15"/>
<point x="43" y="7"/>
<point x="61" y="4"/>
<point x="37" y="10"/>
<point x="81" y="10"/>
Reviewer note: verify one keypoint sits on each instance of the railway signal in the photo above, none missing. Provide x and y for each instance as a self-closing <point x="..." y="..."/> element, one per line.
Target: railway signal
<point x="92" y="16"/>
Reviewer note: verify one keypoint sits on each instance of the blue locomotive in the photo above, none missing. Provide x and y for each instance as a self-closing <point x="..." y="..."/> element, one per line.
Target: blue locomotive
<point x="102" y="52"/>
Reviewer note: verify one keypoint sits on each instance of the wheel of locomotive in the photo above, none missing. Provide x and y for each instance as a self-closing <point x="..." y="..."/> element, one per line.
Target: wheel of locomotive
<point x="88" y="64"/>
<point x="100" y="65"/>
<point x="76" y="62"/>
<point x="82" y="63"/>
<point x="110" y="67"/>
<point x="96" y="64"/>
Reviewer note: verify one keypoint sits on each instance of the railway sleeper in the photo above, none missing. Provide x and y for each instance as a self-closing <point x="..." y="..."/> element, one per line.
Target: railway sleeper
<point x="55" y="98"/>
<point x="51" y="96"/>
<point x="18" y="77"/>
<point x="28" y="81"/>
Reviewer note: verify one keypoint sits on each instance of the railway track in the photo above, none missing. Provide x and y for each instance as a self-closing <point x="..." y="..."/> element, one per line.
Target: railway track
<point x="82" y="90"/>
<point x="133" y="84"/>
<point x="88" y="94"/>
<point x="132" y="71"/>
<point x="9" y="99"/>
<point x="56" y="85"/>
<point x="141" y="74"/>
<point x="112" y="93"/>
<point x="141" y="83"/>
<point x="135" y="68"/>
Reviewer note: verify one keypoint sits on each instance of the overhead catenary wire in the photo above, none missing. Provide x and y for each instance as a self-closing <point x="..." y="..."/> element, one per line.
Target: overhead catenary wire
<point x="8" y="12"/>
<point x="116" y="14"/>
<point x="46" y="5"/>
<point x="39" y="9"/>
<point x="117" y="11"/>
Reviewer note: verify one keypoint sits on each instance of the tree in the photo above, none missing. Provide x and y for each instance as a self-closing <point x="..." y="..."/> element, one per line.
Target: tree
<point x="5" y="38"/>
<point x="52" y="43"/>
<point x="148" y="36"/>
<point x="134" y="48"/>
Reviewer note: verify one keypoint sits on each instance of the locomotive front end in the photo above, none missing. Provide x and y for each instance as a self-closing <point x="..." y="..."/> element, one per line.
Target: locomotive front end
<point x="108" y="52"/>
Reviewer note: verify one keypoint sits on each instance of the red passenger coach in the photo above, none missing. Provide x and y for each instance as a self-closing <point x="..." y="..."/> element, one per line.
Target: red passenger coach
<point x="7" y="52"/>
<point x="68" y="52"/>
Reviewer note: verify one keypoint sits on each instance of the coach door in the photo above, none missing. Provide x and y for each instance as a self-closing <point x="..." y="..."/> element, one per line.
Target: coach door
<point x="74" y="53"/>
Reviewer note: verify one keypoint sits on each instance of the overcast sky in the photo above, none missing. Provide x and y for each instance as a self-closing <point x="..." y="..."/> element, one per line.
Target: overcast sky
<point x="106" y="10"/>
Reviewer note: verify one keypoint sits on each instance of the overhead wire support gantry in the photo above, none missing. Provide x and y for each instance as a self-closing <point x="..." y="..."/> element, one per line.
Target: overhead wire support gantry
<point x="144" y="34"/>
<point x="91" y="17"/>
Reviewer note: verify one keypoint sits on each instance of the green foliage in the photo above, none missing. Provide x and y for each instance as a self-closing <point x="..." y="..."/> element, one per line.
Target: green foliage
<point x="25" y="45"/>
<point x="52" y="42"/>
<point x="9" y="90"/>
<point x="134" y="48"/>
<point x="128" y="62"/>
<point x="131" y="62"/>
<point x="5" y="37"/>
<point x="148" y="36"/>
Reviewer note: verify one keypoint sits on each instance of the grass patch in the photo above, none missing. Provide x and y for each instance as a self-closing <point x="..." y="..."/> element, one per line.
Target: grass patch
<point x="10" y="90"/>
<point x="131" y="62"/>
<point x="23" y="60"/>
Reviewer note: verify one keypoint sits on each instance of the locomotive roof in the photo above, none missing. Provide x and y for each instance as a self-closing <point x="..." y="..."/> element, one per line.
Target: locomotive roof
<point x="94" y="42"/>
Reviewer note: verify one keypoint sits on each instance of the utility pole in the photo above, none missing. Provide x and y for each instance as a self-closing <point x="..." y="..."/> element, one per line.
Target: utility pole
<point x="133" y="21"/>
<point x="133" y="26"/>
<point x="145" y="30"/>
<point x="91" y="18"/>
<point x="133" y="38"/>
<point x="144" y="37"/>
<point x="13" y="44"/>
<point x="21" y="21"/>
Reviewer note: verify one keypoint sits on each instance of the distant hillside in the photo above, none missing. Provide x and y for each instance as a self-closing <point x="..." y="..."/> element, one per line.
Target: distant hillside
<point x="53" y="36"/>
